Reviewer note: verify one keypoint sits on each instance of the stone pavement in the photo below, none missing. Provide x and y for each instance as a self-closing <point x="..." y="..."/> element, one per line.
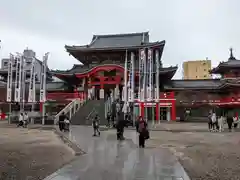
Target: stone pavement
<point x="108" y="159"/>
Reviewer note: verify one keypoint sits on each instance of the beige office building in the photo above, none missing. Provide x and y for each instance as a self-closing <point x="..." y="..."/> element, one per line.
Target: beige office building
<point x="197" y="69"/>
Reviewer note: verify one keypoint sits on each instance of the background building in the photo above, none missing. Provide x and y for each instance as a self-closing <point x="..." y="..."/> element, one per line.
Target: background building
<point x="29" y="56"/>
<point x="197" y="69"/>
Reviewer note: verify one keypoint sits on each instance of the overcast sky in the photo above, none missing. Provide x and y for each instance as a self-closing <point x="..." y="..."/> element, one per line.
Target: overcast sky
<point x="193" y="29"/>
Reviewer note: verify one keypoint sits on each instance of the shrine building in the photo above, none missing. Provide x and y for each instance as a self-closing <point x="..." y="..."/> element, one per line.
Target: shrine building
<point x="100" y="75"/>
<point x="102" y="70"/>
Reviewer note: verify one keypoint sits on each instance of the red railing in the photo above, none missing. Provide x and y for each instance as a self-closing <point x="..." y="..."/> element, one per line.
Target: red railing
<point x="58" y="95"/>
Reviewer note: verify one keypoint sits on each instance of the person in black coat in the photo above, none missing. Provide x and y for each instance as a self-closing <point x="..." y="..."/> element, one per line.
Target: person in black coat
<point x="62" y="117"/>
<point x="229" y="122"/>
<point x="120" y="129"/>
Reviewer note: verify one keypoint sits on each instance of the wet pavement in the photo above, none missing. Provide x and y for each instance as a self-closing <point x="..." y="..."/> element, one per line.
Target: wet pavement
<point x="108" y="159"/>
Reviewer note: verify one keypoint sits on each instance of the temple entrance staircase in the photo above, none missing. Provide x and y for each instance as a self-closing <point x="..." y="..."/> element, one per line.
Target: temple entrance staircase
<point x="88" y="111"/>
<point x="71" y="109"/>
<point x="82" y="112"/>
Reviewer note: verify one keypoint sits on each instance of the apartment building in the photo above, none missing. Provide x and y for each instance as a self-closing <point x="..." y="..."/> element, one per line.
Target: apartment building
<point x="197" y="69"/>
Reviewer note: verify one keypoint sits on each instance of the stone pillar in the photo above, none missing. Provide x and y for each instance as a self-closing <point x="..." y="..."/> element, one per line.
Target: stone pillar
<point x="117" y="92"/>
<point x="168" y="114"/>
<point x="70" y="111"/>
<point x="101" y="92"/>
<point x="89" y="88"/>
<point x="93" y="92"/>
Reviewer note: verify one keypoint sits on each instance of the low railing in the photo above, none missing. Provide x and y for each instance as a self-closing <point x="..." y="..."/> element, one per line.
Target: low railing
<point x="71" y="108"/>
<point x="73" y="95"/>
<point x="89" y="115"/>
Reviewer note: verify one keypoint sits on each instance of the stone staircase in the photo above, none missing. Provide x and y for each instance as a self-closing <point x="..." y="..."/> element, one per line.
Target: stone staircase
<point x="88" y="111"/>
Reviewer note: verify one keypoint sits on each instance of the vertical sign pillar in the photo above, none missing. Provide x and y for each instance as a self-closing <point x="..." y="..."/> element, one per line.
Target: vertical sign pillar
<point x="101" y="88"/>
<point x="43" y="86"/>
<point x="141" y="81"/>
<point x="157" y="85"/>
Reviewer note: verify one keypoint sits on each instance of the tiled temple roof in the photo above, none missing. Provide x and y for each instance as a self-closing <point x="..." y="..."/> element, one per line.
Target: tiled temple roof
<point x="232" y="63"/>
<point x="113" y="41"/>
<point x="119" y="40"/>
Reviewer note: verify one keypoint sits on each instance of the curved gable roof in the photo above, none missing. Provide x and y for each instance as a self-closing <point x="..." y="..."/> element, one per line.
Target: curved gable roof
<point x="119" y="40"/>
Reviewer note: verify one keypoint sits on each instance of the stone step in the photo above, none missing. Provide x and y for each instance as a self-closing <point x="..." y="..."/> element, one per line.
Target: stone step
<point x="84" y="116"/>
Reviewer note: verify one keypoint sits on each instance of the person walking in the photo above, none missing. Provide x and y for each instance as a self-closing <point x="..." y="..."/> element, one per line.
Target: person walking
<point x="137" y="123"/>
<point x="95" y="125"/>
<point x="62" y="117"/>
<point x="221" y="123"/>
<point x="214" y="121"/>
<point x="143" y="132"/>
<point x="229" y="122"/>
<point x="20" y="120"/>
<point x="120" y="129"/>
<point x="210" y="122"/>
<point x="108" y="119"/>
<point x="25" y="119"/>
<point x="235" y="122"/>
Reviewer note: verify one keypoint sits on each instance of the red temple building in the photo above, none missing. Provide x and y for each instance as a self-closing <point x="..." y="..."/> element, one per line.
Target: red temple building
<point x="101" y="74"/>
<point x="102" y="69"/>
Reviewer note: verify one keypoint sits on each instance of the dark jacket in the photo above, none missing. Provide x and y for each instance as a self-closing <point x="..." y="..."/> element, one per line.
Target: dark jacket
<point x="142" y="124"/>
<point x="62" y="117"/>
<point x="229" y="120"/>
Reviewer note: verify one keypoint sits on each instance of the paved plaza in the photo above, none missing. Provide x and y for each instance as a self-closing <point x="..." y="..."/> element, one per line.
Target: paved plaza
<point x="106" y="158"/>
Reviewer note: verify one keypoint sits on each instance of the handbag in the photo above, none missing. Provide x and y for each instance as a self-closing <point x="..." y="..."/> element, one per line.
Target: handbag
<point x="147" y="134"/>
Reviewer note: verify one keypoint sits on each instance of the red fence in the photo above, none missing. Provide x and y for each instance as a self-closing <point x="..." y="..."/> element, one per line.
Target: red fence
<point x="57" y="95"/>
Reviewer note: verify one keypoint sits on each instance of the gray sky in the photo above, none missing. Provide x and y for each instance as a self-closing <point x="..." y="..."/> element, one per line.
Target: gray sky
<point x="193" y="29"/>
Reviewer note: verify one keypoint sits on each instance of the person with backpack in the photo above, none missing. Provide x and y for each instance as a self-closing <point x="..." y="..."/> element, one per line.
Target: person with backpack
<point x="143" y="132"/>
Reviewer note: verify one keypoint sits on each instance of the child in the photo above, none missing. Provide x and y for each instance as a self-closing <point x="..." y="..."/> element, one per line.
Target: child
<point x="66" y="124"/>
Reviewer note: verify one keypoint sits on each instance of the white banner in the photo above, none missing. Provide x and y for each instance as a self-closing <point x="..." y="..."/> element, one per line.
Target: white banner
<point x="150" y="75"/>
<point x="123" y="93"/>
<point x="43" y="79"/>
<point x="23" y="81"/>
<point x="133" y="76"/>
<point x="125" y="78"/>
<point x="141" y="74"/>
<point x="157" y="74"/>
<point x="131" y="80"/>
<point x="31" y="92"/>
<point x="18" y="84"/>
<point x="9" y="80"/>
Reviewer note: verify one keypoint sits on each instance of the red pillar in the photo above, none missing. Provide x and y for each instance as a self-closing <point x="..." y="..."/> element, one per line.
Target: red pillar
<point x="41" y="106"/>
<point x="173" y="111"/>
<point x="142" y="108"/>
<point x="157" y="111"/>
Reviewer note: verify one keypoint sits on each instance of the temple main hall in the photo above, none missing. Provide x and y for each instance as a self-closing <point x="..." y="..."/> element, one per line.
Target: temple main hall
<point x="101" y="74"/>
<point x="99" y="80"/>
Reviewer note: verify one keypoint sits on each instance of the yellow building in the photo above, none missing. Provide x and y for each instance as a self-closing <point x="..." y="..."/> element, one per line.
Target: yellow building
<point x="197" y="69"/>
